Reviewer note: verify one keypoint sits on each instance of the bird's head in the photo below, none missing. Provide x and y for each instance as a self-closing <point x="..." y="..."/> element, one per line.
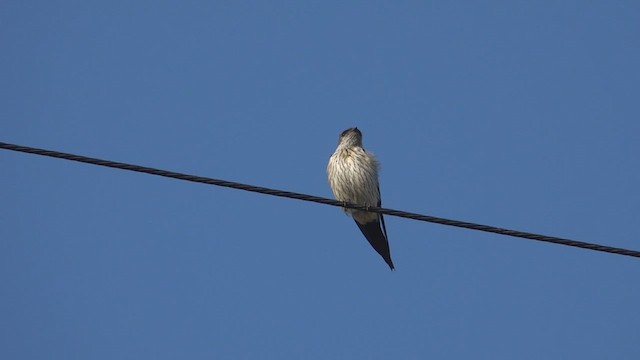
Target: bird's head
<point x="350" y="137"/>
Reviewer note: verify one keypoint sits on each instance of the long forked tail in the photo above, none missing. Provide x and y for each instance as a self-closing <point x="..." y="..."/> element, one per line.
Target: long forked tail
<point x="377" y="238"/>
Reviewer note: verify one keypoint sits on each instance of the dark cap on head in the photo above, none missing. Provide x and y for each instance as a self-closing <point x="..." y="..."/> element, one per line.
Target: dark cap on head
<point x="349" y="130"/>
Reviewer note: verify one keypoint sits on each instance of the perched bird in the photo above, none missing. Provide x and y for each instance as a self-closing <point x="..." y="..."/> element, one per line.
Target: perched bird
<point x="353" y="176"/>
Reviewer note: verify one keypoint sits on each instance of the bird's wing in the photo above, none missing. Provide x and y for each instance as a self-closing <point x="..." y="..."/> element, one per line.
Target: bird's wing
<point x="384" y="228"/>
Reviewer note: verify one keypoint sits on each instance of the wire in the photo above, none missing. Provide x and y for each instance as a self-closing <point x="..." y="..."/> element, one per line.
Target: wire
<point x="316" y="199"/>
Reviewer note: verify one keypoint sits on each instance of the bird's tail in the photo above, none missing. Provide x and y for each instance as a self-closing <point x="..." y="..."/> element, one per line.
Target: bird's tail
<point x="378" y="240"/>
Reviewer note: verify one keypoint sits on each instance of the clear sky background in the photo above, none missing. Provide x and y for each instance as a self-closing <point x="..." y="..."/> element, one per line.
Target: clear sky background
<point x="518" y="114"/>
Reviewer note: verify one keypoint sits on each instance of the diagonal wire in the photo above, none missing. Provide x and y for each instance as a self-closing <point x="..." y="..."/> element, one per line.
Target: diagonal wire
<point x="316" y="199"/>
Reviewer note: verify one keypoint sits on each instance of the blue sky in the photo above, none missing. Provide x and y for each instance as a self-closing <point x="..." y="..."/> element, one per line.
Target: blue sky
<point x="515" y="114"/>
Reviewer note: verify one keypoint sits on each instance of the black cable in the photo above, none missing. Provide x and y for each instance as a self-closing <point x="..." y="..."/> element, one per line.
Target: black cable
<point x="304" y="197"/>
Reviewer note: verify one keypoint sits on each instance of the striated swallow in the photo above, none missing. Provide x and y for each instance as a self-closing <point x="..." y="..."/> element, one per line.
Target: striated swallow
<point x="353" y="177"/>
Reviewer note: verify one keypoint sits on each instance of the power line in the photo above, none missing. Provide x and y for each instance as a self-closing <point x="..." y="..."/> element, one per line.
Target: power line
<point x="316" y="199"/>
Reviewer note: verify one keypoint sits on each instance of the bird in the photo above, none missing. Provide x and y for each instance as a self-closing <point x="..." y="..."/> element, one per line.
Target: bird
<point x="353" y="176"/>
